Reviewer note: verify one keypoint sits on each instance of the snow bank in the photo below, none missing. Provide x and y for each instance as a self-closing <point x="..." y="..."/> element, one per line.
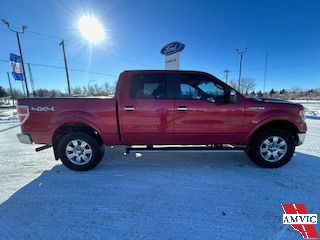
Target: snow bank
<point x="312" y="107"/>
<point x="8" y="116"/>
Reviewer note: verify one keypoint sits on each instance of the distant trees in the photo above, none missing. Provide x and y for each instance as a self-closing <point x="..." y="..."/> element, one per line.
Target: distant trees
<point x="246" y="85"/>
<point x="90" y="90"/>
<point x="106" y="89"/>
<point x="283" y="91"/>
<point x="260" y="94"/>
<point x="295" y="93"/>
<point x="272" y="92"/>
<point x="94" y="90"/>
<point x="42" y="92"/>
<point x="3" y="92"/>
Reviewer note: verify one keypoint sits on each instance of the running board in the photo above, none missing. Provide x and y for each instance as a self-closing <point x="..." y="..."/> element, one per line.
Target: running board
<point x="181" y="148"/>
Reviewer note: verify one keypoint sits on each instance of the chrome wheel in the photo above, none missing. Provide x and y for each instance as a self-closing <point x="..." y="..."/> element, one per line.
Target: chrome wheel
<point x="273" y="148"/>
<point x="78" y="152"/>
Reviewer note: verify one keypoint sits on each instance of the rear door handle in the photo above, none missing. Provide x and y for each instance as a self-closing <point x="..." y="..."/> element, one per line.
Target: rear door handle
<point x="182" y="108"/>
<point x="128" y="108"/>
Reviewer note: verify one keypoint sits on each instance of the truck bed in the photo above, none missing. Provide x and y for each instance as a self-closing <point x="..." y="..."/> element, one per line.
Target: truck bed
<point x="47" y="114"/>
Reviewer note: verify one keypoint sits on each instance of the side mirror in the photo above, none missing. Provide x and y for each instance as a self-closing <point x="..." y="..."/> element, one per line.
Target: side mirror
<point x="233" y="96"/>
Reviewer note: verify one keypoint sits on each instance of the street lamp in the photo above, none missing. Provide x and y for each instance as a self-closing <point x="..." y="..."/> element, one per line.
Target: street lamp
<point x="241" y="53"/>
<point x="23" y="28"/>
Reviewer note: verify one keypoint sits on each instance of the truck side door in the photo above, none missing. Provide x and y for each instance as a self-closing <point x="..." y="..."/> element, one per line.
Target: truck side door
<point x="203" y="113"/>
<point x="146" y="109"/>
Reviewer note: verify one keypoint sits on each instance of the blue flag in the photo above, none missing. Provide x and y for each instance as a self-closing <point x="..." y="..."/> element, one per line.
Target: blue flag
<point x="16" y="67"/>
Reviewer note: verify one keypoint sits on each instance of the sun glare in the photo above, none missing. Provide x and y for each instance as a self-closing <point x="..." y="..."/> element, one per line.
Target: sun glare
<point x="91" y="29"/>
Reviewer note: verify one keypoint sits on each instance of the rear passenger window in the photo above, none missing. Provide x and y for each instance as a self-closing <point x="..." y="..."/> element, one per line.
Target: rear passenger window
<point x="148" y="86"/>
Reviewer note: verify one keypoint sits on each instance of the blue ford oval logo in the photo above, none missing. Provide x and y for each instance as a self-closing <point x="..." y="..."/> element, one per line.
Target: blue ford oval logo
<point x="172" y="48"/>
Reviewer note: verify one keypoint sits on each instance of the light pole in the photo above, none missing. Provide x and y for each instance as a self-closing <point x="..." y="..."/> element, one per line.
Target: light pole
<point x="23" y="28"/>
<point x="265" y="73"/>
<point x="227" y="73"/>
<point x="241" y="53"/>
<point x="66" y="66"/>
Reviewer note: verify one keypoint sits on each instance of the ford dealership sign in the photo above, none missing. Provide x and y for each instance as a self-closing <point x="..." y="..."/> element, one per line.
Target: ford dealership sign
<point x="172" y="48"/>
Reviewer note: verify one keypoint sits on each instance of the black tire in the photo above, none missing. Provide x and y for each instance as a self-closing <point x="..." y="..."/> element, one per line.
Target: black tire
<point x="92" y="144"/>
<point x="256" y="155"/>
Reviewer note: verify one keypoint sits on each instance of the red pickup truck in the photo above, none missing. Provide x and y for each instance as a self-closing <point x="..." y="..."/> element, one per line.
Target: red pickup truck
<point x="160" y="107"/>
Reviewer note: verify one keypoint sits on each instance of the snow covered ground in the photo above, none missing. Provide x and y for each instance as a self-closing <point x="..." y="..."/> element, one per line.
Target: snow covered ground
<point x="8" y="118"/>
<point x="312" y="107"/>
<point x="157" y="196"/>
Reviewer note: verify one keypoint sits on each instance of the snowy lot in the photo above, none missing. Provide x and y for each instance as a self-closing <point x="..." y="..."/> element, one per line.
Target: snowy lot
<point x="312" y="107"/>
<point x="8" y="118"/>
<point x="158" y="196"/>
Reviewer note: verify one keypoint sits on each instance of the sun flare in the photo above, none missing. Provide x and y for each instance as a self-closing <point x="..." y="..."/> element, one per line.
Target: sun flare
<point x="91" y="29"/>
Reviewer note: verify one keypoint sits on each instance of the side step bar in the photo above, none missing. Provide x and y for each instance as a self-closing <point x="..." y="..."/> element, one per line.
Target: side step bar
<point x="182" y="148"/>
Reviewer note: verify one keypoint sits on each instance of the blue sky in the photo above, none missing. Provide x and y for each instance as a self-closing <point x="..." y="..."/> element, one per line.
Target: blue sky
<point x="136" y="31"/>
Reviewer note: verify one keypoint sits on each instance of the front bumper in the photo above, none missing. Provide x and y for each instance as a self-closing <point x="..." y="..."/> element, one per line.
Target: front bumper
<point x="301" y="138"/>
<point x="24" y="138"/>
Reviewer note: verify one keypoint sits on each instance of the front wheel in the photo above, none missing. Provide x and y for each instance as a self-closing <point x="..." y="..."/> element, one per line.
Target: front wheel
<point x="272" y="148"/>
<point x="80" y="151"/>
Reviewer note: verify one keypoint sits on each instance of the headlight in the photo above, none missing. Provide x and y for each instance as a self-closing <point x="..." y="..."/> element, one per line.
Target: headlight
<point x="302" y="114"/>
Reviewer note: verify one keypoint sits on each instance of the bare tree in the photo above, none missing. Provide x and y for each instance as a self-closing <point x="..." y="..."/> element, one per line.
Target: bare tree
<point x="246" y="85"/>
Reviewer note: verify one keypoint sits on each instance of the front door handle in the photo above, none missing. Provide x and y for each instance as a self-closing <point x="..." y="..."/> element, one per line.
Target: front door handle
<point x="182" y="108"/>
<point x="128" y="108"/>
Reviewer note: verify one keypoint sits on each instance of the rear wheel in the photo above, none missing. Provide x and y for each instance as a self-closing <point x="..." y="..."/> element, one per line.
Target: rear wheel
<point x="272" y="148"/>
<point x="80" y="151"/>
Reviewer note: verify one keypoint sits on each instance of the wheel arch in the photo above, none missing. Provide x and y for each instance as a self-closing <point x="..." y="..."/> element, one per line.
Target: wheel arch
<point x="65" y="128"/>
<point x="280" y="124"/>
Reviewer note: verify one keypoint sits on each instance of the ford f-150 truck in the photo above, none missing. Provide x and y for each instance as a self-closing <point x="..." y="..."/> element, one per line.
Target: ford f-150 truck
<point x="154" y="108"/>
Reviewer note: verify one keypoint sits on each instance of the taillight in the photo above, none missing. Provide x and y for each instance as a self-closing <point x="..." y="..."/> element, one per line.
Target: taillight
<point x="23" y="114"/>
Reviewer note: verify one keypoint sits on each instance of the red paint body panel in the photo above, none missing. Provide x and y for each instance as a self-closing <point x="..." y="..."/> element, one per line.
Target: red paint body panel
<point x="98" y="113"/>
<point x="255" y="118"/>
<point x="209" y="123"/>
<point x="152" y="121"/>
<point x="157" y="121"/>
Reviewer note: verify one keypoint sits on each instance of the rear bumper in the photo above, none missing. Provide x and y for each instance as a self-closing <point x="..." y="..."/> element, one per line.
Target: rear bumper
<point x="24" y="138"/>
<point x="301" y="138"/>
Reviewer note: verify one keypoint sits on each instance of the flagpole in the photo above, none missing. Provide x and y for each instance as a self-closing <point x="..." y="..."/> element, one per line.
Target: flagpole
<point x="24" y="72"/>
<point x="23" y="28"/>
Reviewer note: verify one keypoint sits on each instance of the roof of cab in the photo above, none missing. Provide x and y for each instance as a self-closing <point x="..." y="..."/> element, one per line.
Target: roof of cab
<point x="169" y="71"/>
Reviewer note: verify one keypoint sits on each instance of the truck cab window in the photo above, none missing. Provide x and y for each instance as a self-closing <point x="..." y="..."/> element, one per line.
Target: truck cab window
<point x="148" y="86"/>
<point x="188" y="92"/>
<point x="198" y="87"/>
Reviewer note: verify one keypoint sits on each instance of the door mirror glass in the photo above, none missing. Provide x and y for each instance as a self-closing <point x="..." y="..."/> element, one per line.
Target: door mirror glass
<point x="233" y="96"/>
